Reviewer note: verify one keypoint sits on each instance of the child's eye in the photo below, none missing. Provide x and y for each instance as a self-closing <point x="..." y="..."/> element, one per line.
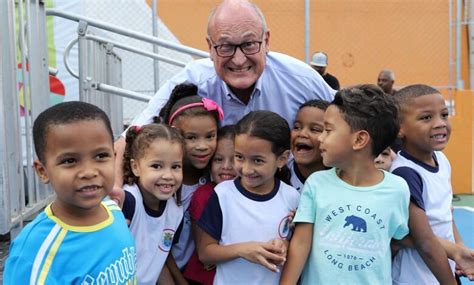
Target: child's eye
<point x="238" y="157"/>
<point x="426" y="118"/>
<point x="191" y="137"/>
<point x="445" y="115"/>
<point x="316" y="130"/>
<point x="211" y="136"/>
<point x="217" y="159"/>
<point x="68" y="161"/>
<point x="258" y="161"/>
<point x="296" y="127"/>
<point x="177" y="166"/>
<point x="156" y="166"/>
<point x="103" y="155"/>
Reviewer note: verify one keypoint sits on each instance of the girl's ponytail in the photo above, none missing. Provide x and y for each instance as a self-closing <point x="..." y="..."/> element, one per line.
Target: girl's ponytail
<point x="128" y="176"/>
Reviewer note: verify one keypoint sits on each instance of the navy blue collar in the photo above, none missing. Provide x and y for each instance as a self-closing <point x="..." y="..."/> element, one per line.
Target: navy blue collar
<point x="300" y="176"/>
<point x="254" y="196"/>
<point x="432" y="169"/>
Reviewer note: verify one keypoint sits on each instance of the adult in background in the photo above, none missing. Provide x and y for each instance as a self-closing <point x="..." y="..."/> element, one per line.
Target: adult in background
<point x="241" y="75"/>
<point x="385" y="81"/>
<point x="319" y="62"/>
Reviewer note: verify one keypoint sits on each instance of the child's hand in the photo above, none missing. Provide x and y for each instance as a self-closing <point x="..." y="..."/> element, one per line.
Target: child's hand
<point x="262" y="253"/>
<point x="465" y="262"/>
<point x="281" y="248"/>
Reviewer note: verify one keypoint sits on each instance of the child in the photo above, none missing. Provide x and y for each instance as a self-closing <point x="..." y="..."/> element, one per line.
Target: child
<point x="79" y="238"/>
<point x="308" y="125"/>
<point x="348" y="214"/>
<point x="197" y="118"/>
<point x="246" y="220"/>
<point x="425" y="131"/>
<point x="153" y="172"/>
<point x="222" y="168"/>
<point x="384" y="160"/>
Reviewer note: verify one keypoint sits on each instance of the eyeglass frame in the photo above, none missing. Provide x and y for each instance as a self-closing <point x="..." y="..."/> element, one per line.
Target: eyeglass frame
<point x="239" y="46"/>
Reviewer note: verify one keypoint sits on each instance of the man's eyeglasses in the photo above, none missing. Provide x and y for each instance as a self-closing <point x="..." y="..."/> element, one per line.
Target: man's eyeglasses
<point x="247" y="48"/>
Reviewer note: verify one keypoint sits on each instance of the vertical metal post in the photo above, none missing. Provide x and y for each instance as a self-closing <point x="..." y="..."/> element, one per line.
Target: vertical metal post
<point x="25" y="71"/>
<point x="459" y="81"/>
<point x="84" y="83"/>
<point x="11" y="176"/>
<point x="450" y="45"/>
<point x="156" y="65"/>
<point x="307" y="38"/>
<point x="39" y="78"/>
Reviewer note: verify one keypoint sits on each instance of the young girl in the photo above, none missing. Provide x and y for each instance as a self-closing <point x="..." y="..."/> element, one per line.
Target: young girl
<point x="153" y="162"/>
<point x="246" y="219"/>
<point x="308" y="125"/>
<point x="197" y="118"/>
<point x="222" y="168"/>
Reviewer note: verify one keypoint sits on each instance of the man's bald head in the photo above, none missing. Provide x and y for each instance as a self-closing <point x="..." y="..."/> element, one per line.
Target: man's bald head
<point x="235" y="7"/>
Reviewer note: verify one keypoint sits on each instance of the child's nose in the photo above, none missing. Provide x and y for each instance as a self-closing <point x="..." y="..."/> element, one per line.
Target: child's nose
<point x="228" y="164"/>
<point x="88" y="172"/>
<point x="202" y="145"/>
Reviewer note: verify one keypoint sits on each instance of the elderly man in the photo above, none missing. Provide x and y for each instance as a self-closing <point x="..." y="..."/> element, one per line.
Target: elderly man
<point x="241" y="75"/>
<point x="385" y="81"/>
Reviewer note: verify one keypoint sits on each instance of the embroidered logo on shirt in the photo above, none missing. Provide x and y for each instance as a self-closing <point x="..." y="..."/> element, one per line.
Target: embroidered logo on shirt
<point x="284" y="227"/>
<point x="166" y="240"/>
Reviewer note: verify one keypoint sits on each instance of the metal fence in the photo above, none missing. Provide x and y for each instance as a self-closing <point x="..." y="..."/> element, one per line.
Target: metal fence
<point x="26" y="92"/>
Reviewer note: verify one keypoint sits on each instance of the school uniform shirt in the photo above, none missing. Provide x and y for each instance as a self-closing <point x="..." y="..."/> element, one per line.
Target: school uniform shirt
<point x="297" y="180"/>
<point x="49" y="251"/>
<point x="153" y="231"/>
<point x="195" y="270"/>
<point x="183" y="250"/>
<point x="353" y="227"/>
<point x="235" y="215"/>
<point x="430" y="189"/>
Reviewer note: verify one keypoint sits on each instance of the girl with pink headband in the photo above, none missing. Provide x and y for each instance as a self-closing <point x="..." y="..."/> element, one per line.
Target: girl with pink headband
<point x="198" y="119"/>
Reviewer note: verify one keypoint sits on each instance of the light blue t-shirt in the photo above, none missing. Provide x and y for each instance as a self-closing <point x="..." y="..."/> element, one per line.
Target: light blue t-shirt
<point x="284" y="85"/>
<point x="353" y="227"/>
<point x="48" y="251"/>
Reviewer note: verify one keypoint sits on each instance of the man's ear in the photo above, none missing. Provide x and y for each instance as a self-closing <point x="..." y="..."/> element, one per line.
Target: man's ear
<point x="267" y="41"/>
<point x="361" y="139"/>
<point x="41" y="171"/>
<point x="134" y="167"/>
<point x="282" y="159"/>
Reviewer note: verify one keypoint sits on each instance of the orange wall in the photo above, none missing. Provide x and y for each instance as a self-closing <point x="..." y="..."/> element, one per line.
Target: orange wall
<point x="460" y="148"/>
<point x="361" y="36"/>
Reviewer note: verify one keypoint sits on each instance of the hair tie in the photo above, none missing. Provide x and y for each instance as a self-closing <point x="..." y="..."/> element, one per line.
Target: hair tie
<point x="137" y="129"/>
<point x="207" y="104"/>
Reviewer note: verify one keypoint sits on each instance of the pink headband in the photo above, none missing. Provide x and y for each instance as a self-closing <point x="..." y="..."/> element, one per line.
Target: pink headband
<point x="207" y="104"/>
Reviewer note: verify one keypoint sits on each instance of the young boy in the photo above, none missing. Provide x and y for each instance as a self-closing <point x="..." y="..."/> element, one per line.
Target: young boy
<point x="384" y="159"/>
<point x="348" y="214"/>
<point x="79" y="238"/>
<point x="425" y="131"/>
